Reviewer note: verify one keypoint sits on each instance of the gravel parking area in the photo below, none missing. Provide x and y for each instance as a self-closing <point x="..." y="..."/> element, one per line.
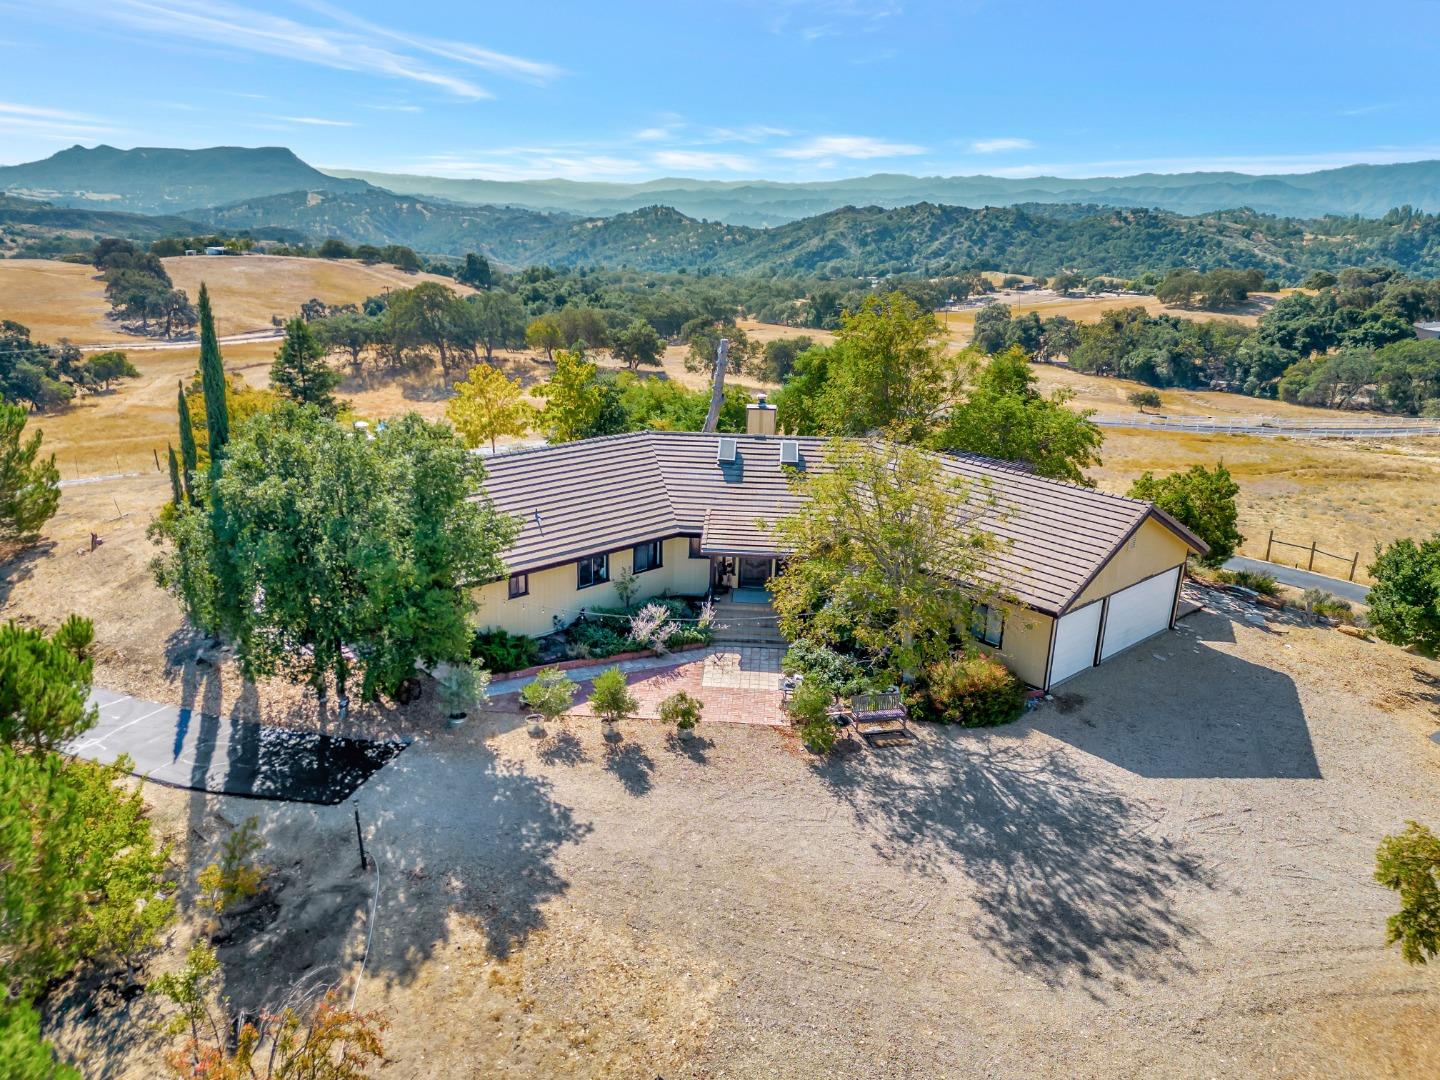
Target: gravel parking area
<point x="1166" y="871"/>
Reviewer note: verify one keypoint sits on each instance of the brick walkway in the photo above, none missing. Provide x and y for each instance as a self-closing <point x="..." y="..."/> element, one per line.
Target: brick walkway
<point x="737" y="684"/>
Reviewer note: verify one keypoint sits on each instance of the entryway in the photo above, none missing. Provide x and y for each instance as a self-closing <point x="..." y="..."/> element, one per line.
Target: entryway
<point x="753" y="573"/>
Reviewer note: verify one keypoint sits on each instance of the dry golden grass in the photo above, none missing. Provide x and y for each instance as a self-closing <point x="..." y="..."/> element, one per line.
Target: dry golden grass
<point x="246" y="292"/>
<point x="56" y="299"/>
<point x="1088" y="309"/>
<point x="1347" y="495"/>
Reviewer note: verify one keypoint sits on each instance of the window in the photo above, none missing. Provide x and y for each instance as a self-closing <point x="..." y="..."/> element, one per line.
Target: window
<point x="988" y="624"/>
<point x="592" y="570"/>
<point x="647" y="556"/>
<point x="519" y="585"/>
<point x="695" y="552"/>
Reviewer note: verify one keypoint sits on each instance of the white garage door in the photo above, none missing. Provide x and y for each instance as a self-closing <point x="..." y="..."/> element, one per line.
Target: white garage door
<point x="1138" y="612"/>
<point x="1075" y="637"/>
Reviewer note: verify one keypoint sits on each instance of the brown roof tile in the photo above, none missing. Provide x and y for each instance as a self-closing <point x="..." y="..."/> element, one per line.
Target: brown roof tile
<point x="603" y="494"/>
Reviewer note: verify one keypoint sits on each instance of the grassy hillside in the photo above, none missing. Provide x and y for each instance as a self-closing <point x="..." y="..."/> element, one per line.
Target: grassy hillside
<point x="57" y="299"/>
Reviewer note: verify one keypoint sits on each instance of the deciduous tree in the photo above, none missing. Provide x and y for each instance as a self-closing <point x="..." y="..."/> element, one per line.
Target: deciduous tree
<point x="1201" y="499"/>
<point x="487" y="405"/>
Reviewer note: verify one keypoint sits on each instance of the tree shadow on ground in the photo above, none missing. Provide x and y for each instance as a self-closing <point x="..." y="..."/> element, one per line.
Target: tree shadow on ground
<point x="562" y="748"/>
<point x="19" y="566"/>
<point x="694" y="748"/>
<point x="1178" y="707"/>
<point x="1066" y="878"/>
<point x="629" y="763"/>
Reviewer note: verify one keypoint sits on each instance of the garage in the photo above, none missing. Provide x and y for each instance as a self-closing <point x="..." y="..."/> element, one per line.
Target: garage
<point x="1075" y="638"/>
<point x="1141" y="611"/>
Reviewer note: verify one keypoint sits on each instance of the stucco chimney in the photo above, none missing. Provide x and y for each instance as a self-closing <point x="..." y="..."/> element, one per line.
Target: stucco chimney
<point x="760" y="417"/>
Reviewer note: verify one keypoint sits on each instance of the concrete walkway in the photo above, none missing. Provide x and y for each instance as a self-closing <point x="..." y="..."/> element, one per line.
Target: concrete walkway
<point x="1303" y="579"/>
<point x="202" y="752"/>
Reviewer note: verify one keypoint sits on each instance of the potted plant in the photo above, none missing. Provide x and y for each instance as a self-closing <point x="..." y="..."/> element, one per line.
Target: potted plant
<point x="611" y="699"/>
<point x="548" y="697"/>
<point x="682" y="710"/>
<point x="461" y="686"/>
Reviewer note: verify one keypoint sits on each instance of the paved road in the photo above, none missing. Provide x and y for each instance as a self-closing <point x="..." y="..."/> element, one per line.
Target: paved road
<point x="187" y="749"/>
<point x="1340" y="428"/>
<point x="151" y="345"/>
<point x="1303" y="579"/>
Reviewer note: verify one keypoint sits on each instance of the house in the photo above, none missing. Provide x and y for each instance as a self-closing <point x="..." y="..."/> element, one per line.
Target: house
<point x="1091" y="573"/>
<point x="215" y="249"/>
<point x="1427" y="329"/>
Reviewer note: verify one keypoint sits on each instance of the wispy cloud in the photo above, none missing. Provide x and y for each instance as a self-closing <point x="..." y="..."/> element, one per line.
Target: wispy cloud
<point x="999" y="146"/>
<point x="703" y="161"/>
<point x="1367" y="110"/>
<point x="315" y="121"/>
<point x="811" y="20"/>
<point x="653" y="134"/>
<point x="42" y="122"/>
<point x="746" y="133"/>
<point x="396" y="108"/>
<point x="860" y="147"/>
<point x="346" y="43"/>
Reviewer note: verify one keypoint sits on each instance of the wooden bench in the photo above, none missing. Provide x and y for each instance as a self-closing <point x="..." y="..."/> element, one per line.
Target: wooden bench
<point x="880" y="718"/>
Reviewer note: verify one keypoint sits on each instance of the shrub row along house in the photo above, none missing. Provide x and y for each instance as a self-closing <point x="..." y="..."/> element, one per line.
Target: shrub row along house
<point x="1090" y="573"/>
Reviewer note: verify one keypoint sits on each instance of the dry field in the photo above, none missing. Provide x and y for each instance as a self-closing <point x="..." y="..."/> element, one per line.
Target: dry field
<point x="56" y="299"/>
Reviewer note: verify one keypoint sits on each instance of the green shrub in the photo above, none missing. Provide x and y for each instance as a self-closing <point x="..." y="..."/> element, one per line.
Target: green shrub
<point x="1249" y="579"/>
<point x="598" y="640"/>
<point x="688" y="635"/>
<point x="841" y="675"/>
<point x="236" y="876"/>
<point x="610" y="696"/>
<point x="808" y="707"/>
<point x="550" y="693"/>
<point x="971" y="690"/>
<point x="1320" y="602"/>
<point x="819" y="736"/>
<point x="681" y="709"/>
<point x="499" y="650"/>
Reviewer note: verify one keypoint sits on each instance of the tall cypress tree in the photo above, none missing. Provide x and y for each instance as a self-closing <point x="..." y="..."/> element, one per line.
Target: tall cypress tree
<point x="189" y="456"/>
<point x="212" y="381"/>
<point x="177" y="493"/>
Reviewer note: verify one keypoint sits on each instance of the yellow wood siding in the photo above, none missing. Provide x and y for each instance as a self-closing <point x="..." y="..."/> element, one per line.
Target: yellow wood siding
<point x="553" y="592"/>
<point x="1152" y="549"/>
<point x="1025" y="644"/>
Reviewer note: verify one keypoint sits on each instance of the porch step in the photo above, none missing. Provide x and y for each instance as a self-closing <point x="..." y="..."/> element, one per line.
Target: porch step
<point x="747" y="624"/>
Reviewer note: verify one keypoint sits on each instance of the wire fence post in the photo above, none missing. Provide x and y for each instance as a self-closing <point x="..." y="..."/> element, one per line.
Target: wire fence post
<point x="1311" y="564"/>
<point x="1353" y="563"/>
<point x="1268" y="544"/>
<point x="360" y="839"/>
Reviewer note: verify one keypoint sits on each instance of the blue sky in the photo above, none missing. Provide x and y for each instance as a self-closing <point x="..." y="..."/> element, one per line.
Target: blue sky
<point x="732" y="89"/>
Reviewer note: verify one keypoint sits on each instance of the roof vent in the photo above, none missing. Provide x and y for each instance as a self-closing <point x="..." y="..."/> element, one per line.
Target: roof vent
<point x="729" y="448"/>
<point x="789" y="452"/>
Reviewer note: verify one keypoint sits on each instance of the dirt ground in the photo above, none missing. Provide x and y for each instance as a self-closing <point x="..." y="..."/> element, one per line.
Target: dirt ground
<point x="1163" y="872"/>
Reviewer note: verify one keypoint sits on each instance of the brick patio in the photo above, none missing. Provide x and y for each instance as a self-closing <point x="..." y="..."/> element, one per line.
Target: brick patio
<point x="737" y="684"/>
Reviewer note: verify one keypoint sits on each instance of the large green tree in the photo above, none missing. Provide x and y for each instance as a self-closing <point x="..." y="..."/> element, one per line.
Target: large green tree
<point x="429" y="316"/>
<point x="637" y="344"/>
<point x="1405" y="599"/>
<point x="866" y="564"/>
<point x="580" y="403"/>
<point x="300" y="372"/>
<point x="1201" y="499"/>
<point x="487" y="405"/>
<point x="1005" y="417"/>
<point x="352" y="556"/>
<point x="498" y="321"/>
<point x="212" y="381"/>
<point x="29" y="483"/>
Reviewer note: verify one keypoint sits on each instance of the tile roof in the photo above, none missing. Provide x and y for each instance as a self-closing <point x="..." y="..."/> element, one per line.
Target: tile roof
<point x="603" y="494"/>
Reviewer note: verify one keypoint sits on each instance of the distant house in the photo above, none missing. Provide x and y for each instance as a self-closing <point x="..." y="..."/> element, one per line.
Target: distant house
<point x="1092" y="573"/>
<point x="215" y="250"/>
<point x="191" y="251"/>
<point x="1427" y="329"/>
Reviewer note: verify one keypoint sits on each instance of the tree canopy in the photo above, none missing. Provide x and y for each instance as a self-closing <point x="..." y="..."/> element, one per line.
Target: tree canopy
<point x="1201" y="499"/>
<point x="300" y="372"/>
<point x="1405" y="599"/>
<point x="29" y="483"/>
<point x="487" y="405"/>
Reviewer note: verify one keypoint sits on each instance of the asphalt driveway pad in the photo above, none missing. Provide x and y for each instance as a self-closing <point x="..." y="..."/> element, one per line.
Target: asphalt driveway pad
<point x="186" y="749"/>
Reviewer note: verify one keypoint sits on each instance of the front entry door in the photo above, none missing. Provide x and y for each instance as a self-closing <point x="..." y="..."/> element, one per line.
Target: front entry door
<point x="754" y="573"/>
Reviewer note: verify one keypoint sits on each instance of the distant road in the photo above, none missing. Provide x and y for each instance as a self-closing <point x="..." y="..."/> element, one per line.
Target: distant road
<point x="150" y="345"/>
<point x="1302" y="579"/>
<point x="1366" y="427"/>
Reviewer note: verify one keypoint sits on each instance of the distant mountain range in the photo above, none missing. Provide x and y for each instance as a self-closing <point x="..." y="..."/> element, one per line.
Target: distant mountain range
<point x="1368" y="190"/>
<point x="850" y="240"/>
<point x="158" y="180"/>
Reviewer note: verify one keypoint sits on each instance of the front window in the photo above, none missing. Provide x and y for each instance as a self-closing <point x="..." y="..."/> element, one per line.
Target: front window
<point x="519" y="585"/>
<point x="695" y="552"/>
<point x="988" y="624"/>
<point x="647" y="556"/>
<point x="592" y="570"/>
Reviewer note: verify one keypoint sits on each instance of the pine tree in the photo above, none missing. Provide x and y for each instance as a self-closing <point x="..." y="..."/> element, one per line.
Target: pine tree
<point x="300" y="371"/>
<point x="29" y="483"/>
<point x="212" y="381"/>
<point x="177" y="492"/>
<point x="189" y="456"/>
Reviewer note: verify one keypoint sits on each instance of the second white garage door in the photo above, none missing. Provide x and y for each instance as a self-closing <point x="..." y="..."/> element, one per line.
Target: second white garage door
<point x="1139" y="612"/>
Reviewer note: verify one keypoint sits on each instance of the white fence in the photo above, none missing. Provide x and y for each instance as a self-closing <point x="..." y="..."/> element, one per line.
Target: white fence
<point x="1341" y="428"/>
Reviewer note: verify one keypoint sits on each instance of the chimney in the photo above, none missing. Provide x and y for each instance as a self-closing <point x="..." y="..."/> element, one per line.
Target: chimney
<point x="760" y="418"/>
